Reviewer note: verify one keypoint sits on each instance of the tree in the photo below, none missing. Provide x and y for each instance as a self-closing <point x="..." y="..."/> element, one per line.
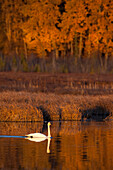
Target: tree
<point x="11" y="18"/>
<point x="40" y="25"/>
<point x="74" y="24"/>
<point x="91" y="23"/>
<point x="100" y="29"/>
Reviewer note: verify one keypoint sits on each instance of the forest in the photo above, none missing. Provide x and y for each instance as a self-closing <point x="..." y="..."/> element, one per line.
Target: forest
<point x="56" y="36"/>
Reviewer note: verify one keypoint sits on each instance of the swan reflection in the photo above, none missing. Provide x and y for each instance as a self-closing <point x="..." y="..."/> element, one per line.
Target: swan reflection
<point x="40" y="140"/>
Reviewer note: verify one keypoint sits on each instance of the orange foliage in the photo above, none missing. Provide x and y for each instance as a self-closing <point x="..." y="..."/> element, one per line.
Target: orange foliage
<point x="40" y="29"/>
<point x="44" y="28"/>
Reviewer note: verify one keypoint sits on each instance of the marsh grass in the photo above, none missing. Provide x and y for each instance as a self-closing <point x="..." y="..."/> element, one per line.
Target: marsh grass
<point x="27" y="106"/>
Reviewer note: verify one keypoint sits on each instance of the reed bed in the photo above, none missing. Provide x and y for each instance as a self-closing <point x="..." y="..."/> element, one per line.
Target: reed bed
<point x="31" y="106"/>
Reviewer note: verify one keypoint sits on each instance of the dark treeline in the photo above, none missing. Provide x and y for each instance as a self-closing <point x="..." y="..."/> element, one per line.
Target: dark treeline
<point x="56" y="36"/>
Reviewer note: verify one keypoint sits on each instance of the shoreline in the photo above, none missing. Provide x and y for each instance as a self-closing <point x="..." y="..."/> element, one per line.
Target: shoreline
<point x="58" y="83"/>
<point x="31" y="107"/>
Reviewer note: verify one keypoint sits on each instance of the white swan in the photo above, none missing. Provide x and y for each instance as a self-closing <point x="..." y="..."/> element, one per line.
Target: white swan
<point x="40" y="137"/>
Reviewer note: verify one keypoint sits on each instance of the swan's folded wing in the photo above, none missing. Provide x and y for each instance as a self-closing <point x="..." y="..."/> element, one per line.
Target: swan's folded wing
<point x="36" y="135"/>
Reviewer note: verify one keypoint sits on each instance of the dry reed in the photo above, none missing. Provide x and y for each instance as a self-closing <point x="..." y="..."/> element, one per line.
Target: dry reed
<point x="27" y="106"/>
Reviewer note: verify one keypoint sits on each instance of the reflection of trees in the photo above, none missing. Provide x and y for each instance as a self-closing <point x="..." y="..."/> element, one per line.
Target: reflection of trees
<point x="88" y="148"/>
<point x="17" y="128"/>
<point x="75" y="145"/>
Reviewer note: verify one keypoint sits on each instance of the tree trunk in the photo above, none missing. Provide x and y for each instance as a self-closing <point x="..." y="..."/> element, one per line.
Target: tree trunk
<point x="8" y="26"/>
<point x="76" y="46"/>
<point x="80" y="46"/>
<point x="16" y="49"/>
<point x="100" y="58"/>
<point x="101" y="61"/>
<point x="57" y="53"/>
<point x="54" y="61"/>
<point x="72" y="48"/>
<point x="25" y="49"/>
<point x="89" y="46"/>
<point x="106" y="60"/>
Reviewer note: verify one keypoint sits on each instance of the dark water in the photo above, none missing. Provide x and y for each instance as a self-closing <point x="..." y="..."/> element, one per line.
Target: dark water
<point x="75" y="145"/>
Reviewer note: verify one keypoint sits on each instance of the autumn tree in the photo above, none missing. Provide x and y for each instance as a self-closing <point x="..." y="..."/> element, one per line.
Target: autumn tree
<point x="74" y="25"/>
<point x="39" y="26"/>
<point x="82" y="28"/>
<point x="3" y="37"/>
<point x="11" y="18"/>
<point x="87" y="26"/>
<point x="100" y="29"/>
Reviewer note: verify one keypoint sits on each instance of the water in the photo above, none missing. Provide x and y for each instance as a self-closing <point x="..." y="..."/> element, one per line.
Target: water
<point x="75" y="145"/>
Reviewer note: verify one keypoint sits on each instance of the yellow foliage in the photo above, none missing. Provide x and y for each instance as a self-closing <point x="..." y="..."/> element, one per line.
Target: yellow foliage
<point x="70" y="112"/>
<point x="43" y="26"/>
<point x="20" y="113"/>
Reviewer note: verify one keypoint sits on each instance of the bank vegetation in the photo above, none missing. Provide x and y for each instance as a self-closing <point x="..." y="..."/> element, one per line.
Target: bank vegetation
<point x="26" y="106"/>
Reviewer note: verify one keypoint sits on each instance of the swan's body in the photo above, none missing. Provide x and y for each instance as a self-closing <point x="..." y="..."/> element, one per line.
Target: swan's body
<point x="36" y="139"/>
<point x="36" y="135"/>
<point x="40" y="136"/>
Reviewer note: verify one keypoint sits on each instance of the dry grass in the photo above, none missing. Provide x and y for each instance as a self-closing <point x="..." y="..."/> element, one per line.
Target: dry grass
<point x="70" y="112"/>
<point x="21" y="112"/>
<point x="26" y="106"/>
<point x="69" y="83"/>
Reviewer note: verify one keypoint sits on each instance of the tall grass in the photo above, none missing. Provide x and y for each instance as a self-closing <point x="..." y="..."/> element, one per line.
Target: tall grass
<point x="26" y="106"/>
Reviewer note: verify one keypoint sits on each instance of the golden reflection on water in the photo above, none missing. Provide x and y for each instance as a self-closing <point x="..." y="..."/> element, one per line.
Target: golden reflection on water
<point x="75" y="145"/>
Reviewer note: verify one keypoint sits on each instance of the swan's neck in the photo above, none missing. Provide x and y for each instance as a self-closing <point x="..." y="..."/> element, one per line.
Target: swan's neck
<point x="49" y="135"/>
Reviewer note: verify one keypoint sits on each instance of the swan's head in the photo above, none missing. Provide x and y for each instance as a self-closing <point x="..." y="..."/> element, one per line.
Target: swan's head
<point x="49" y="123"/>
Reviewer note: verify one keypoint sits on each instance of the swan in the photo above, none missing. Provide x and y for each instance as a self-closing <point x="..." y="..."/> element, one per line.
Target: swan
<point x="40" y="136"/>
